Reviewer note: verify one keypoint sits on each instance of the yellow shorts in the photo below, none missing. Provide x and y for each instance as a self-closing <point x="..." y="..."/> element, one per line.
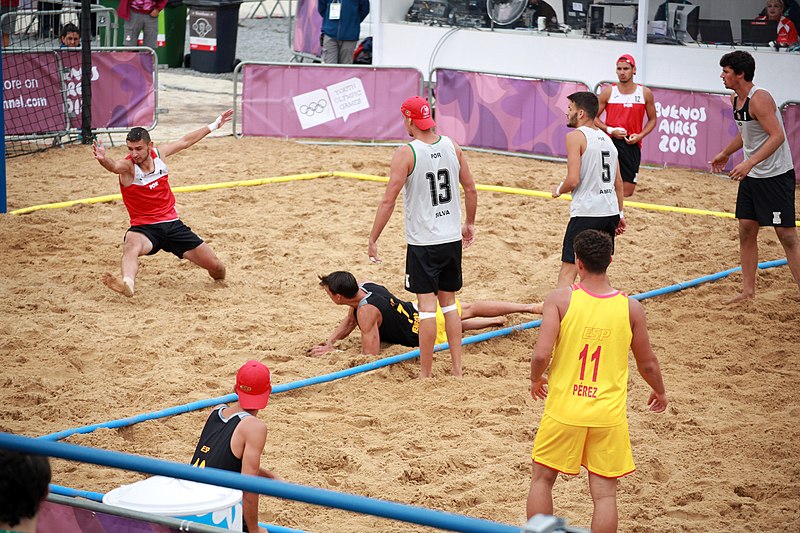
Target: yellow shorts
<point x="441" y="334"/>
<point x="602" y="451"/>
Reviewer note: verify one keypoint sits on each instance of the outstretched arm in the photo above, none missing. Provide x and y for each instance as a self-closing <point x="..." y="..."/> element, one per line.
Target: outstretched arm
<point x="345" y="328"/>
<point x="167" y="149"/>
<point x="646" y="361"/>
<point x="121" y="167"/>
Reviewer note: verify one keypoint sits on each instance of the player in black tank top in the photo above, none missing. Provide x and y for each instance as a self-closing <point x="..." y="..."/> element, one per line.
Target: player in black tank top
<point x="214" y="447"/>
<point x="399" y="319"/>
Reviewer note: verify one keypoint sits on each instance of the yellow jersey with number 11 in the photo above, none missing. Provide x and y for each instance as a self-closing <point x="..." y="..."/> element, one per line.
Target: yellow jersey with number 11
<point x="588" y="377"/>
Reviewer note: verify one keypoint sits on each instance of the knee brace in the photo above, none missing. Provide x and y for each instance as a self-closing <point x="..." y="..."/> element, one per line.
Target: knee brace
<point x="449" y="308"/>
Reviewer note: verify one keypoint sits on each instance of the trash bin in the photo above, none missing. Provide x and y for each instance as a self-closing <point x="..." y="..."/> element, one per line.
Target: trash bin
<point x="213" y="26"/>
<point x="104" y="22"/>
<point x="172" y="32"/>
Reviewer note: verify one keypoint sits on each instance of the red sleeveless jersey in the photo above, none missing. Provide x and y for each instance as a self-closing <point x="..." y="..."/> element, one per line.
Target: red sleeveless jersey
<point x="626" y="110"/>
<point x="149" y="198"/>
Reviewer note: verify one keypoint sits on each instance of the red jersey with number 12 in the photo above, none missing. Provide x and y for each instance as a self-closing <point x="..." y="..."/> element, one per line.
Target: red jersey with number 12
<point x="149" y="198"/>
<point x="626" y="110"/>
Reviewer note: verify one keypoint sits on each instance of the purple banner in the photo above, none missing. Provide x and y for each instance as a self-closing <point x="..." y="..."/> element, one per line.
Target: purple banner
<point x="123" y="92"/>
<point x="307" y="28"/>
<point x="791" y="123"/>
<point x="32" y="99"/>
<point x="67" y="519"/>
<point x="503" y="113"/>
<point x="326" y="102"/>
<point x="692" y="128"/>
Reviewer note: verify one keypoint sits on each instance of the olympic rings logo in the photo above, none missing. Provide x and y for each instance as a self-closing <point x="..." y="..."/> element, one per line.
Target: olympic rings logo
<point x="313" y="108"/>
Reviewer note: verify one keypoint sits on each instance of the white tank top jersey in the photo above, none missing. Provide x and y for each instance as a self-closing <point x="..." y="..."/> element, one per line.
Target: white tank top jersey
<point x="753" y="136"/>
<point x="430" y="196"/>
<point x="595" y="195"/>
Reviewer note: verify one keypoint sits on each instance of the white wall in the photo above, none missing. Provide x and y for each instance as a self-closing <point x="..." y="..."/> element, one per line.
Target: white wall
<point x="587" y="60"/>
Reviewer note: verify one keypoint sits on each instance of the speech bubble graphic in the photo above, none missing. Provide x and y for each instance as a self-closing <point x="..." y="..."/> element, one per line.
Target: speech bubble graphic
<point x="347" y="97"/>
<point x="313" y="108"/>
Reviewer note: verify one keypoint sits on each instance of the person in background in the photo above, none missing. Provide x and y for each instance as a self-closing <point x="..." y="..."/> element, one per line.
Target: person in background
<point x="787" y="31"/>
<point x="24" y="482"/>
<point x="70" y="36"/>
<point x="141" y="16"/>
<point x="766" y="177"/>
<point x="233" y="438"/>
<point x="586" y="332"/>
<point x="8" y="13"/>
<point x="341" y="26"/>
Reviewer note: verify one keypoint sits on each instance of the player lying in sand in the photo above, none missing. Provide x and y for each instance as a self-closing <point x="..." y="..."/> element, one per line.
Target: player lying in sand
<point x="382" y="317"/>
<point x="144" y="183"/>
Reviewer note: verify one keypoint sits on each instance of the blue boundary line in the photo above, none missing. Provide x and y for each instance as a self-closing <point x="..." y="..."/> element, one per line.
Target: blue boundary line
<point x="374" y="365"/>
<point x="268" y="487"/>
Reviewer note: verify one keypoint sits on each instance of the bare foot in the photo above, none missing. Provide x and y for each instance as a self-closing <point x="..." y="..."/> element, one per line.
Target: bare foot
<point x="741" y="297"/>
<point x="116" y="284"/>
<point x="457" y="372"/>
<point x="536" y="308"/>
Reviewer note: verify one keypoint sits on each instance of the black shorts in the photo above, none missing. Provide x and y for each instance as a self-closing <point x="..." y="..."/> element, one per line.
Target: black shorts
<point x="433" y="268"/>
<point x="175" y="237"/>
<point x="770" y="201"/>
<point x="578" y="224"/>
<point x="629" y="157"/>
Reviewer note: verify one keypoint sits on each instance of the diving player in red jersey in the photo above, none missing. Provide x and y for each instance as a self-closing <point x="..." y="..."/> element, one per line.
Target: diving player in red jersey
<point x="144" y="184"/>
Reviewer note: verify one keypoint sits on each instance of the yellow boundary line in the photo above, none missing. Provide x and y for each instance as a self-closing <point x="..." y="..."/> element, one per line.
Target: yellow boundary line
<point x="363" y="177"/>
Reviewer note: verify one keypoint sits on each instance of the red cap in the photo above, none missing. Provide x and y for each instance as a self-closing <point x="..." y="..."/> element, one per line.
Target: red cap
<point x="419" y="111"/>
<point x="627" y="58"/>
<point x="253" y="385"/>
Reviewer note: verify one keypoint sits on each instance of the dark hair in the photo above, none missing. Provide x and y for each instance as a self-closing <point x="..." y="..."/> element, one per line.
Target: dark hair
<point x="138" y="134"/>
<point x="740" y="62"/>
<point x="23" y="485"/>
<point x="587" y="101"/>
<point x="593" y="248"/>
<point x="340" y="282"/>
<point x="69" y="27"/>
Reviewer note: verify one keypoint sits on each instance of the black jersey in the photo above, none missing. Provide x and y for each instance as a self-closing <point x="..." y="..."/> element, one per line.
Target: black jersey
<point x="400" y="320"/>
<point x="214" y="447"/>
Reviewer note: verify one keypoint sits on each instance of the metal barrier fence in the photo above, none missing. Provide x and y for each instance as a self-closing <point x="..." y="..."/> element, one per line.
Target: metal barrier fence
<point x="42" y="91"/>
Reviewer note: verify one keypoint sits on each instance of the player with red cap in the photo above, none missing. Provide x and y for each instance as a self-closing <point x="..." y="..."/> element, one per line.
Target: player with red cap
<point x="234" y="438"/>
<point x="626" y="104"/>
<point x="428" y="170"/>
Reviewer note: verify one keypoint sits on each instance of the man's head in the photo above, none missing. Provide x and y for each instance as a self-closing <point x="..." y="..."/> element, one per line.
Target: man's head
<point x="417" y="111"/>
<point x="253" y="385"/>
<point x="735" y="65"/>
<point x="593" y="250"/>
<point x="139" y="145"/>
<point x="24" y="479"/>
<point x="339" y="285"/>
<point x="70" y="35"/>
<point x="626" y="68"/>
<point x="582" y="107"/>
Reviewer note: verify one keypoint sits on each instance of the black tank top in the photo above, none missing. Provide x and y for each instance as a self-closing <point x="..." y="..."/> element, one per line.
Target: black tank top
<point x="400" y="320"/>
<point x="214" y="447"/>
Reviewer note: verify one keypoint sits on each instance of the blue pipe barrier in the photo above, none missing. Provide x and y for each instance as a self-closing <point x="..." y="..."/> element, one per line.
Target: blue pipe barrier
<point x="75" y="493"/>
<point x="268" y="487"/>
<point x="374" y="365"/>
<point x="713" y="277"/>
